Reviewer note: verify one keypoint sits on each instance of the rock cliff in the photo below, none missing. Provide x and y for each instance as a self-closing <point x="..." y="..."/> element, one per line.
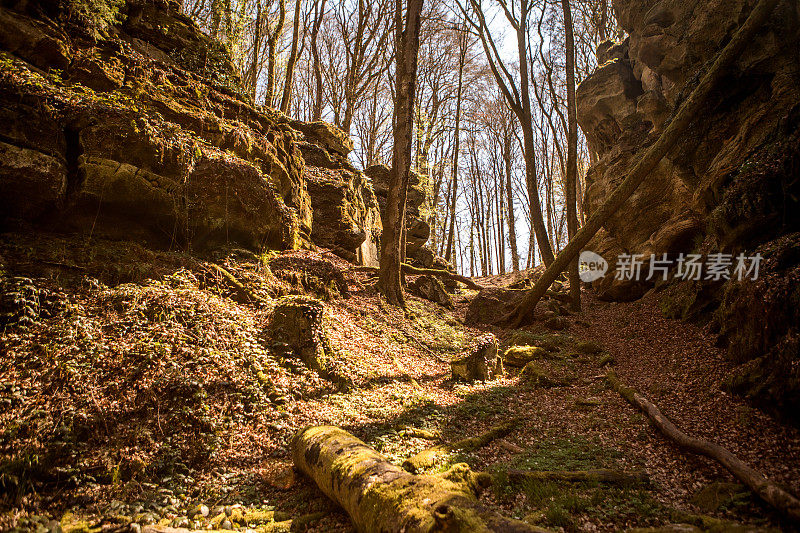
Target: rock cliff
<point x="135" y="129"/>
<point x="731" y="185"/>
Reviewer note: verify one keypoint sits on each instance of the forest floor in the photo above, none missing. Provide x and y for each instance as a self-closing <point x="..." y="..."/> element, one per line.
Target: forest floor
<point x="139" y="386"/>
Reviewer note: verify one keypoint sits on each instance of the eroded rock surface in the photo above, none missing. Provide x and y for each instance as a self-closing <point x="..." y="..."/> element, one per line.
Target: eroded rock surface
<point x="729" y="185"/>
<point x="139" y="131"/>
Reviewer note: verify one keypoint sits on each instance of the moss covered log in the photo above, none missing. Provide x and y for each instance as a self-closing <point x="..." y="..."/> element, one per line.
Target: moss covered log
<point x="380" y="496"/>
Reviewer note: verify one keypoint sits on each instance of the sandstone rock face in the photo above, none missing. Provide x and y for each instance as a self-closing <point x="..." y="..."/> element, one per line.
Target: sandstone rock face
<point x="492" y="303"/>
<point x="729" y="185"/>
<point x="418" y="227"/>
<point x="346" y="216"/>
<point x="142" y="135"/>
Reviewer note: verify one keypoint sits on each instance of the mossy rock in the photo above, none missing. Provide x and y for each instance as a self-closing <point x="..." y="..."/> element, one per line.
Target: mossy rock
<point x="606" y="360"/>
<point x="556" y="323"/>
<point x="520" y="356"/>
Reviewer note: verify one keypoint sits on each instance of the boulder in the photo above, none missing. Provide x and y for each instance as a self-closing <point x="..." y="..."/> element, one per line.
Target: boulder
<point x="431" y="288"/>
<point x="481" y="362"/>
<point x="418" y="227"/>
<point x="492" y="303"/>
<point x="327" y="136"/>
<point x="520" y="356"/>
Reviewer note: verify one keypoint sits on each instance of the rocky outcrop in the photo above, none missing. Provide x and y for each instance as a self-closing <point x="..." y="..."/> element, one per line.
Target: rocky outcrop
<point x="730" y="185"/>
<point x="418" y="227"/>
<point x="492" y="303"/>
<point x="137" y="130"/>
<point x="346" y="216"/>
<point x="479" y="363"/>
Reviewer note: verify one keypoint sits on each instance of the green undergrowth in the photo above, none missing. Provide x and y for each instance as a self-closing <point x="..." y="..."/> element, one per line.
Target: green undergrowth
<point x="566" y="505"/>
<point x="552" y="342"/>
<point x="436" y="329"/>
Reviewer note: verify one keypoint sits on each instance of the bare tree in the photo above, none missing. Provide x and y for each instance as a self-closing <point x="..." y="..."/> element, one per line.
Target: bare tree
<point x="288" y="81"/>
<point x="518" y="100"/>
<point x="407" y="48"/>
<point x="572" y="155"/>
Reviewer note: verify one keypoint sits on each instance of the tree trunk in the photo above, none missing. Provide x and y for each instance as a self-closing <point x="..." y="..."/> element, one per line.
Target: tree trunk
<point x="462" y="54"/>
<point x="572" y="156"/>
<point x="380" y="496"/>
<point x="407" y="38"/>
<point x="272" y="48"/>
<point x="286" y="97"/>
<point x="526" y="122"/>
<point x="252" y="78"/>
<point x="766" y="489"/>
<point x="680" y="122"/>
<point x="319" y="13"/>
<point x="512" y="230"/>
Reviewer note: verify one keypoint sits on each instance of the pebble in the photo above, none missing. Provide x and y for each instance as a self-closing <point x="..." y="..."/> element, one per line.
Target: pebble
<point x="135" y="528"/>
<point x="226" y="524"/>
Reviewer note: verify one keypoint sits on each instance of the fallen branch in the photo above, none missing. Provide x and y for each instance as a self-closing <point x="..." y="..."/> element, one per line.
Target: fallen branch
<point x="414" y="271"/>
<point x="380" y="496"/>
<point x="766" y="489"/>
<point x="427" y="457"/>
<point x="599" y="476"/>
<point x="686" y="113"/>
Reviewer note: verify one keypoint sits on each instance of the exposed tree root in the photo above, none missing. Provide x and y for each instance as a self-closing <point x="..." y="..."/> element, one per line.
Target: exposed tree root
<point x="243" y="292"/>
<point x="600" y="476"/>
<point x="419" y="433"/>
<point x="380" y="496"/>
<point x="766" y="489"/>
<point x="427" y="457"/>
<point x="408" y="269"/>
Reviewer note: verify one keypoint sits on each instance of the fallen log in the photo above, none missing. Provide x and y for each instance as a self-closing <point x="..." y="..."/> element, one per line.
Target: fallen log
<point x="601" y="475"/>
<point x="414" y="271"/>
<point x="766" y="489"/>
<point x="684" y="116"/>
<point x="428" y="457"/>
<point x="380" y="496"/>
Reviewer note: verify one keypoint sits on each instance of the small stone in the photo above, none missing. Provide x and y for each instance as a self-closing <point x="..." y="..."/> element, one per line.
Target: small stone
<point x="135" y="528"/>
<point x="226" y="524"/>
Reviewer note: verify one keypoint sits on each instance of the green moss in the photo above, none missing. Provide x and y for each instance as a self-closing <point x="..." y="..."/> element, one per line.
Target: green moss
<point x="588" y="348"/>
<point x="533" y="374"/>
